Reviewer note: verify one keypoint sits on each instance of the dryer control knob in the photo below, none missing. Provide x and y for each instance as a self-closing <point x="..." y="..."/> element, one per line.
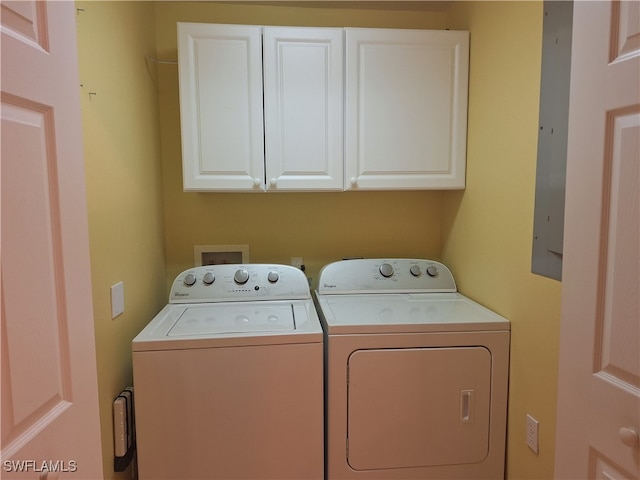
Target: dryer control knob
<point x="273" y="277"/>
<point x="241" y="276"/>
<point x="189" y="279"/>
<point x="415" y="270"/>
<point x="386" y="270"/>
<point x="208" y="278"/>
<point x="432" y="271"/>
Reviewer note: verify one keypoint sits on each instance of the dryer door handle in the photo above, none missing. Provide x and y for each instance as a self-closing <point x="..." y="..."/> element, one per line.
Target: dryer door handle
<point x="467" y="406"/>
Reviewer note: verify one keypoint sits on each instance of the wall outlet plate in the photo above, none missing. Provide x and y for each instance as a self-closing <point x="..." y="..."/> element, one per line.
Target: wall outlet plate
<point x="117" y="299"/>
<point x="532" y="433"/>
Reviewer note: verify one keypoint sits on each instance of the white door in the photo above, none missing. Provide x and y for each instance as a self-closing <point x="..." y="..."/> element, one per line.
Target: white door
<point x="405" y="108"/>
<point x="50" y="418"/>
<point x="220" y="69"/>
<point x="599" y="377"/>
<point x="303" y="108"/>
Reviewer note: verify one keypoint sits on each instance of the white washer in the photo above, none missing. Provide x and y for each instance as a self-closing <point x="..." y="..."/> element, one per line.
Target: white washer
<point x="416" y="374"/>
<point x="229" y="378"/>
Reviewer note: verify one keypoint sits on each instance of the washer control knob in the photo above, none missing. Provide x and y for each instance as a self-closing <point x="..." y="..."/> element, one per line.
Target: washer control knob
<point x="208" y="278"/>
<point x="432" y="271"/>
<point x="415" y="270"/>
<point x="189" y="279"/>
<point x="241" y="276"/>
<point x="386" y="270"/>
<point x="273" y="276"/>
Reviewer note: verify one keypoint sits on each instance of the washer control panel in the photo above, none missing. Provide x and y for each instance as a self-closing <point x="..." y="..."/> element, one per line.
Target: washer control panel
<point x="228" y="283"/>
<point x="385" y="276"/>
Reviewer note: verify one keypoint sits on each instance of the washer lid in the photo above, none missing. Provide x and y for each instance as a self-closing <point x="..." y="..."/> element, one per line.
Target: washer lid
<point x="231" y="324"/>
<point x="221" y="319"/>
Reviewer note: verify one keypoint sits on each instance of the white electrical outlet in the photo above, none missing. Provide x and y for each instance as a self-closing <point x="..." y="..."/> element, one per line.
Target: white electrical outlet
<point x="532" y="433"/>
<point x="297" y="262"/>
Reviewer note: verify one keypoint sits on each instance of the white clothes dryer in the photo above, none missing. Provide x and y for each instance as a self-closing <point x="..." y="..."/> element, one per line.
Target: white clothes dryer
<point x="416" y="374"/>
<point x="229" y="378"/>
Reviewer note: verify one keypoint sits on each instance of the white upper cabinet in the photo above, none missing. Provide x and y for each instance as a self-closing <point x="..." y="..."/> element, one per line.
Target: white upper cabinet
<point x="303" y="96"/>
<point x="220" y="72"/>
<point x="406" y="109"/>
<point x="225" y="73"/>
<point x="297" y="108"/>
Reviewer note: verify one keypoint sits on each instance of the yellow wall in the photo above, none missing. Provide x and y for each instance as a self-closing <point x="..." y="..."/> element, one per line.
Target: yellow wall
<point x="137" y="206"/>
<point x="487" y="229"/>
<point x="320" y="227"/>
<point x="124" y="188"/>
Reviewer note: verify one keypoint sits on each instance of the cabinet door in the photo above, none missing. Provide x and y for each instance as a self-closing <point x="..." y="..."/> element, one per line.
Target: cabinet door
<point x="406" y="108"/>
<point x="220" y="68"/>
<point x="303" y="87"/>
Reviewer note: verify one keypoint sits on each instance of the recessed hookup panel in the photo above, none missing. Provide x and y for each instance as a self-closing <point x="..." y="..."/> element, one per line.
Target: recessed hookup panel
<point x="220" y="254"/>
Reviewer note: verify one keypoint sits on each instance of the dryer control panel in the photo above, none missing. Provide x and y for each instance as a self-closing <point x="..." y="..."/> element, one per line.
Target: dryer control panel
<point x="229" y="283"/>
<point x="385" y="275"/>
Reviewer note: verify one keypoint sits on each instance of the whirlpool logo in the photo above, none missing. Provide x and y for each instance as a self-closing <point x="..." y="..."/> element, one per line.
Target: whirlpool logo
<point x="327" y="285"/>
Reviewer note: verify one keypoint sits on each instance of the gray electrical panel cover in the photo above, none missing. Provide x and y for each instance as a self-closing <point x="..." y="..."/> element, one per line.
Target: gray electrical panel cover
<point x="549" y="213"/>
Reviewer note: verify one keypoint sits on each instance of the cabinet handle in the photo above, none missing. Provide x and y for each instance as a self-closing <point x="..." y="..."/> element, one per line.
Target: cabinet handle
<point x="628" y="436"/>
<point x="354" y="181"/>
<point x="257" y="182"/>
<point x="273" y="182"/>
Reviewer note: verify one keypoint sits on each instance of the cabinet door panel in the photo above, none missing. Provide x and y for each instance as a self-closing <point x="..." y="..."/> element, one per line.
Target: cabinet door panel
<point x="406" y="108"/>
<point x="221" y="106"/>
<point x="303" y="108"/>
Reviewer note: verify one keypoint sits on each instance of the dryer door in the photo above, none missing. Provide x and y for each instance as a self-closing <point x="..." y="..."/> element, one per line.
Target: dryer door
<point x="418" y="407"/>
